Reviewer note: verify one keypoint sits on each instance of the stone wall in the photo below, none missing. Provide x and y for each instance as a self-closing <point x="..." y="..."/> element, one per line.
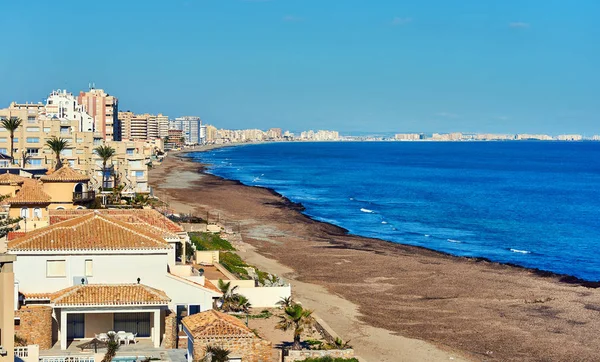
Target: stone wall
<point x="170" y="341"/>
<point x="36" y="325"/>
<point x="251" y="349"/>
<point x="301" y="355"/>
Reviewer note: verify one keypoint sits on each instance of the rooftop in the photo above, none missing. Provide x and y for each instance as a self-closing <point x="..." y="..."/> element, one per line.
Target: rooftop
<point x="65" y="174"/>
<point x="216" y="324"/>
<point x="10" y="179"/>
<point x="107" y="294"/>
<point x="31" y="193"/>
<point x="89" y="232"/>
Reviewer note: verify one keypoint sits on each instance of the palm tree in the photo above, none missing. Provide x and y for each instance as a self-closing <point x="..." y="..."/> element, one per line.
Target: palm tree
<point x="113" y="346"/>
<point x="217" y="354"/>
<point x="297" y="318"/>
<point x="57" y="145"/>
<point x="232" y="301"/>
<point x="286" y="302"/>
<point x="11" y="124"/>
<point x="105" y="152"/>
<point x="25" y="158"/>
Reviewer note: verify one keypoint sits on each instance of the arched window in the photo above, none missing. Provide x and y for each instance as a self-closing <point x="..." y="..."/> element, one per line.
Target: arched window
<point x="79" y="188"/>
<point x="24" y="212"/>
<point x="37" y="212"/>
<point x="79" y="207"/>
<point x="60" y="208"/>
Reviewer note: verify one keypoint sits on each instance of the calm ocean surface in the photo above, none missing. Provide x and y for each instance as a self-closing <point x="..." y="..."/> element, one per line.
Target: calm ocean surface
<point x="536" y="204"/>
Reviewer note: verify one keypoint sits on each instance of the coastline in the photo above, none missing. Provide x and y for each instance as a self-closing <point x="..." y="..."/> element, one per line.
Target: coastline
<point x="461" y="304"/>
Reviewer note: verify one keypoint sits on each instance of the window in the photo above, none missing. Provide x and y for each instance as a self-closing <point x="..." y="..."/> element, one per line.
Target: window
<point x="80" y="140"/>
<point x="24" y="212"/>
<point x="37" y="212"/>
<point x="79" y="152"/>
<point x="33" y="139"/>
<point x="30" y="119"/>
<point x="67" y="152"/>
<point x="136" y="163"/>
<point x="130" y="151"/>
<point x="72" y="163"/>
<point x="3" y="139"/>
<point x="137" y="173"/>
<point x="35" y="162"/>
<point x="33" y="151"/>
<point x="16" y="139"/>
<point x="33" y="129"/>
<point x="56" y="269"/>
<point x="194" y="309"/>
<point x="88" y="268"/>
<point x="133" y="322"/>
<point x="4" y="150"/>
<point x="47" y="129"/>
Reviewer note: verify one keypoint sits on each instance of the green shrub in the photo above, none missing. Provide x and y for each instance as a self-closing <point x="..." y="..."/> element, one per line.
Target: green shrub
<point x="235" y="264"/>
<point x="210" y="241"/>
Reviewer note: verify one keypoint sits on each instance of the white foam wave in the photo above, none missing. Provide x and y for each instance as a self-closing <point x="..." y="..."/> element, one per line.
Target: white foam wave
<point x="427" y="235"/>
<point x="454" y="241"/>
<point x="384" y="222"/>
<point x="367" y="211"/>
<point x="520" y="251"/>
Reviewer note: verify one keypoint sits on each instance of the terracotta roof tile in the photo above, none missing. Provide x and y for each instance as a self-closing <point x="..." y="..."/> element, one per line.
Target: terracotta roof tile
<point x="10" y="179"/>
<point x="216" y="324"/>
<point x="131" y="216"/>
<point x="89" y="232"/>
<point x="30" y="193"/>
<point x="65" y="174"/>
<point x="109" y="294"/>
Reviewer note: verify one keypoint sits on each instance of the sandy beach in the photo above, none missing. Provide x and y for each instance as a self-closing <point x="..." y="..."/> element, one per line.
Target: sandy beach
<point x="396" y="302"/>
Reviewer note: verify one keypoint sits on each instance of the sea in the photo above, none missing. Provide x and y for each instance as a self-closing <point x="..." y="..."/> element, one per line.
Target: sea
<point x="534" y="204"/>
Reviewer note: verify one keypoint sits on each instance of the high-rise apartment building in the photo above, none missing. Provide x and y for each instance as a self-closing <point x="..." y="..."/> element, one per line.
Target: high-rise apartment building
<point x="143" y="126"/>
<point x="62" y="118"/>
<point x="191" y="127"/>
<point x="104" y="109"/>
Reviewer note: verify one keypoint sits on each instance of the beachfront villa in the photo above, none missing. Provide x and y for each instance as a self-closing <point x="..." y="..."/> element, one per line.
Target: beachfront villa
<point x="94" y="271"/>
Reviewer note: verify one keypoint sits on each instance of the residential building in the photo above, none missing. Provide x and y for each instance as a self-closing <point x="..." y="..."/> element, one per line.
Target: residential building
<point x="175" y="139"/>
<point x="92" y="271"/>
<point x="104" y="109"/>
<point x="569" y="137"/>
<point x="274" y="133"/>
<point x="8" y="300"/>
<point x="143" y="126"/>
<point x="408" y="137"/>
<point x="32" y="154"/>
<point x="191" y="127"/>
<point x="226" y="331"/>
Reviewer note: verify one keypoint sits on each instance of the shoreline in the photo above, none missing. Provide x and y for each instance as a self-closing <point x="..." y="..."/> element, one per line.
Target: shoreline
<point x="298" y="206"/>
<point x="467" y="307"/>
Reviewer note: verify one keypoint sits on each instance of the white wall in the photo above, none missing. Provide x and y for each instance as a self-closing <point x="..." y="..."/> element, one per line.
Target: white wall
<point x="185" y="292"/>
<point x="265" y="297"/>
<point x="30" y="270"/>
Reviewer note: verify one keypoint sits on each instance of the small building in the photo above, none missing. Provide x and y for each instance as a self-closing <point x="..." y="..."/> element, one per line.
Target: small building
<point x="68" y="189"/>
<point x="212" y="328"/>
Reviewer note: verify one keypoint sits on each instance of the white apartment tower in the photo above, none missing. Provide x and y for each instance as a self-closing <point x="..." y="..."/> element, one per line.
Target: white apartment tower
<point x="191" y="127"/>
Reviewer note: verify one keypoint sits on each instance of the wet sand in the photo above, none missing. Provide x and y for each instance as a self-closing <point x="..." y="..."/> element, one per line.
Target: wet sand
<point x="396" y="302"/>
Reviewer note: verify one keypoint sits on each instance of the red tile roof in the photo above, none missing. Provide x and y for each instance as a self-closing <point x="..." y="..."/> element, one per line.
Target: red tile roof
<point x="89" y="232"/>
<point x="109" y="294"/>
<point x="30" y="193"/>
<point x="216" y="324"/>
<point x="10" y="179"/>
<point x="65" y="174"/>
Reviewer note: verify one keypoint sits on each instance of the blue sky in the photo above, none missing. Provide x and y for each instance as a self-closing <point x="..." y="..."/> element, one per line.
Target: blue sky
<point x="351" y="65"/>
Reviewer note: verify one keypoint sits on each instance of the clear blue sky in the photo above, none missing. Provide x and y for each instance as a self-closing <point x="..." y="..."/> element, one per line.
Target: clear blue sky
<point x="351" y="65"/>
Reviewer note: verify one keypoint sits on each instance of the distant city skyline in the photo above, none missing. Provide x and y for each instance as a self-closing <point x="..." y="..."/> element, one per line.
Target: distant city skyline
<point x="390" y="67"/>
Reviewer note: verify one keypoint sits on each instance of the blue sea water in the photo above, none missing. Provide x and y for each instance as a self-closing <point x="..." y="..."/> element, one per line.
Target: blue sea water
<point x="535" y="204"/>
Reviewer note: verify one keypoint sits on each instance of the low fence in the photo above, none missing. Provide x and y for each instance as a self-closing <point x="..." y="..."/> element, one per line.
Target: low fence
<point x="67" y="359"/>
<point x="265" y="297"/>
<point x="29" y="353"/>
<point x="295" y="355"/>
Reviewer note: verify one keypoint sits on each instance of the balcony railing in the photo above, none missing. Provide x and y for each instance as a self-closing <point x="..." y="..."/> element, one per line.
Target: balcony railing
<point x="84" y="196"/>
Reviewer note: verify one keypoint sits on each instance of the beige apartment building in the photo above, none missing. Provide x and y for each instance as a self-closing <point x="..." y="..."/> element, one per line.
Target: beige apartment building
<point x="143" y="126"/>
<point x="104" y="108"/>
<point x="32" y="153"/>
<point x="7" y="308"/>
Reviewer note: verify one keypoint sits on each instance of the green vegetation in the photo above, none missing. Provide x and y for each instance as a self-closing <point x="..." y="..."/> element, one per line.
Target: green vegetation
<point x="295" y="318"/>
<point x="113" y="346"/>
<point x="57" y="145"/>
<point x="329" y="359"/>
<point x="231" y="301"/>
<point x="218" y="354"/>
<point x="210" y="241"/>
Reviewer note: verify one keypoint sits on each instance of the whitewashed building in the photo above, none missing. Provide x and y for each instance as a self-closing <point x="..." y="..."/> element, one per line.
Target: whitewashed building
<point x="106" y="271"/>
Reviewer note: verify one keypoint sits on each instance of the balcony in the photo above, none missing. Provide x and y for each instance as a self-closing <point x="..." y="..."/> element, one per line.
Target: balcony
<point x="84" y="196"/>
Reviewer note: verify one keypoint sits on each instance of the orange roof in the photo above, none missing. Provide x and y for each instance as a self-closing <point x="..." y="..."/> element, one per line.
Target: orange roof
<point x="216" y="324"/>
<point x="65" y="174"/>
<point x="10" y="179"/>
<point x="109" y="294"/>
<point x="131" y="216"/>
<point x="89" y="232"/>
<point x="30" y="193"/>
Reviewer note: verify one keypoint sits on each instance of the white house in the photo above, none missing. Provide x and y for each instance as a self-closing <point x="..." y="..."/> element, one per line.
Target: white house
<point x="108" y="270"/>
